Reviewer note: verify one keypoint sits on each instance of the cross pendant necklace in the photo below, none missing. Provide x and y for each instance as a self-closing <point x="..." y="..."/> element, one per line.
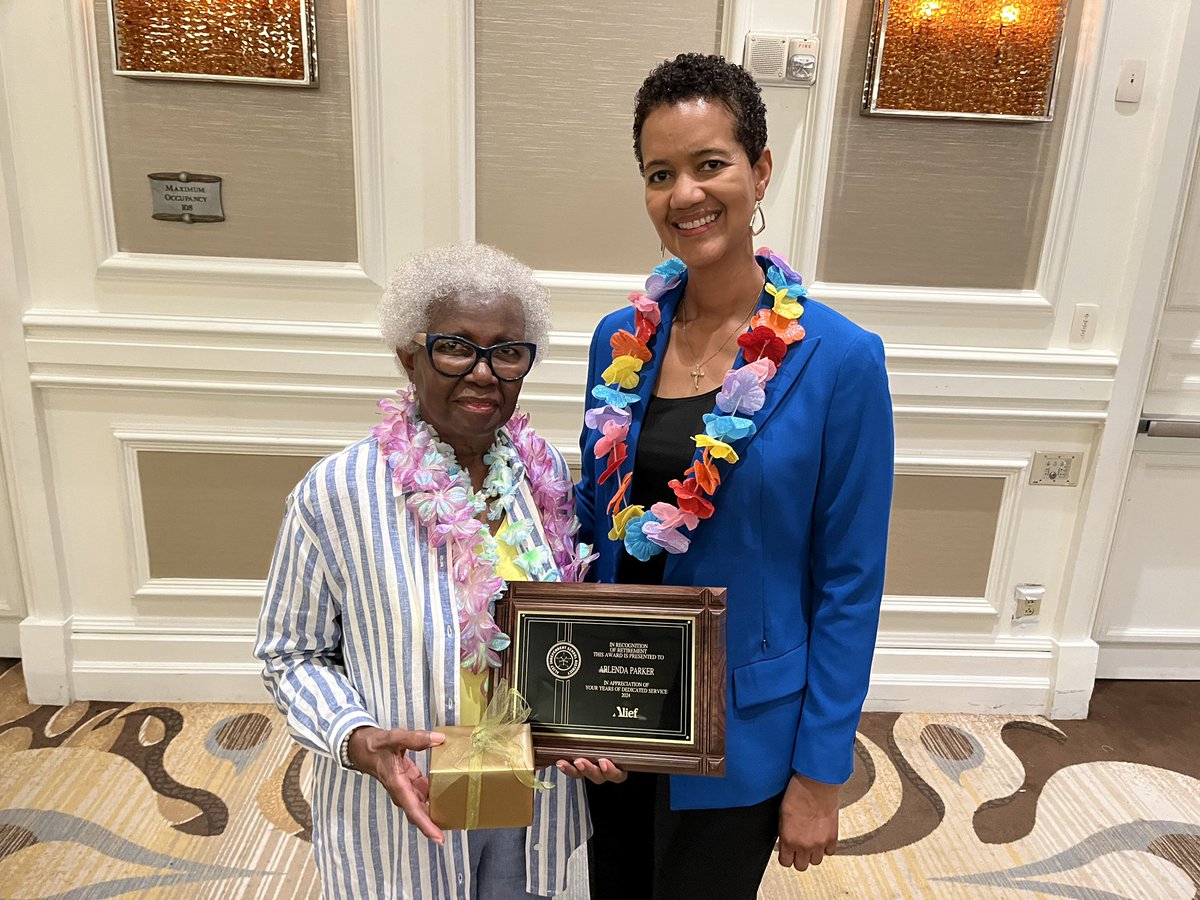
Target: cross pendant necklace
<point x="697" y="372"/>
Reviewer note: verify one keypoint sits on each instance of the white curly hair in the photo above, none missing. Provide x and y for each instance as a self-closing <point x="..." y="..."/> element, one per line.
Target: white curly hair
<point x="463" y="271"/>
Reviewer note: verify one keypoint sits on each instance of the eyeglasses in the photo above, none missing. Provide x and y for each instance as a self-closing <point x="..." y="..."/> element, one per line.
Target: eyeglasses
<point x="455" y="356"/>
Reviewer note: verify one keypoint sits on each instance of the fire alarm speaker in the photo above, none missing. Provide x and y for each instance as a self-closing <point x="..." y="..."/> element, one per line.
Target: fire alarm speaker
<point x="766" y="57"/>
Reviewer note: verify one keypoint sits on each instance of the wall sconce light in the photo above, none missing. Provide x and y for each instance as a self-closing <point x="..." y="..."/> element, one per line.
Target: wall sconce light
<point x="254" y="41"/>
<point x="964" y="59"/>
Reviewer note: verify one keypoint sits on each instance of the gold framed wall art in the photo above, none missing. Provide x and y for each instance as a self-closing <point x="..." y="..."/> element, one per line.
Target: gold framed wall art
<point x="272" y="42"/>
<point x="964" y="59"/>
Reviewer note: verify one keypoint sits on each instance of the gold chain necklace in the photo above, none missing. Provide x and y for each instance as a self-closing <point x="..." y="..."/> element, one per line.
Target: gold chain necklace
<point x="697" y="372"/>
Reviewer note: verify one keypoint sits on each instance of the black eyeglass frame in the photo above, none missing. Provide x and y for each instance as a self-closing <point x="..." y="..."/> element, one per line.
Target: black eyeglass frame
<point x="432" y="338"/>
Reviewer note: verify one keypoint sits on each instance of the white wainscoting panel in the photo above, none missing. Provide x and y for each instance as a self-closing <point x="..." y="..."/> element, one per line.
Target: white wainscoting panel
<point x="120" y="383"/>
<point x="132" y="442"/>
<point x="1149" y="625"/>
<point x="987" y="607"/>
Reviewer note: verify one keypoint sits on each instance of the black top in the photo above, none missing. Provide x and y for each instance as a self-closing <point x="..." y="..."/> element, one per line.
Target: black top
<point x="664" y="451"/>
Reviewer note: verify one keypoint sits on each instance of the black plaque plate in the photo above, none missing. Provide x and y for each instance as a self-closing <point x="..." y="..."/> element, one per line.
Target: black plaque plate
<point x="633" y="674"/>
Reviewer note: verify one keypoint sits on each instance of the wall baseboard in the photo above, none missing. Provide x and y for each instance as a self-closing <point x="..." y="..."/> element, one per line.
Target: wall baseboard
<point x="46" y="660"/>
<point x="217" y="682"/>
<point x="978" y="680"/>
<point x="1152" y="661"/>
<point x="210" y="661"/>
<point x="166" y="659"/>
<point x="1073" y="677"/>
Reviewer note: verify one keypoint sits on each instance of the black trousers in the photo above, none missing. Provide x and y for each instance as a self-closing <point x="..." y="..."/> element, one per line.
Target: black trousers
<point x="641" y="849"/>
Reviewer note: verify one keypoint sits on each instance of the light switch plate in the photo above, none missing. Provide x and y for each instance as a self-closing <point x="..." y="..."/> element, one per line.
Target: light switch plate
<point x="1083" y="323"/>
<point x="1056" y="468"/>
<point x="1130" y="81"/>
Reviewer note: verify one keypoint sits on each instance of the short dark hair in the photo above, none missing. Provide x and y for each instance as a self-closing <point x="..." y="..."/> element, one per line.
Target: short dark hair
<point x="695" y="76"/>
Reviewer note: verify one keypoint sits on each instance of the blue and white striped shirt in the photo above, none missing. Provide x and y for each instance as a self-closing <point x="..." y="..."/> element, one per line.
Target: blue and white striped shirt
<point x="360" y="627"/>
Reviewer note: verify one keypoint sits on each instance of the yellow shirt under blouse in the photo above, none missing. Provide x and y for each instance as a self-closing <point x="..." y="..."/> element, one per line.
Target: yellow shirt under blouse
<point x="472" y="693"/>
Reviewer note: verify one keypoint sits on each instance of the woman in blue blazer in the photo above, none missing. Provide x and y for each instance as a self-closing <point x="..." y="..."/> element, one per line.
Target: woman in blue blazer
<point x="738" y="435"/>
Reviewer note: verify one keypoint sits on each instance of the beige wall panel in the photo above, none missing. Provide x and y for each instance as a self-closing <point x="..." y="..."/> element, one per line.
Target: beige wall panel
<point x="557" y="184"/>
<point x="214" y="515"/>
<point x="942" y="532"/>
<point x="937" y="203"/>
<point x="286" y="155"/>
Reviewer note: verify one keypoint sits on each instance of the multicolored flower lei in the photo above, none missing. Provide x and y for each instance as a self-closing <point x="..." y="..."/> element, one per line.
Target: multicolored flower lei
<point x="772" y="332"/>
<point x="441" y="496"/>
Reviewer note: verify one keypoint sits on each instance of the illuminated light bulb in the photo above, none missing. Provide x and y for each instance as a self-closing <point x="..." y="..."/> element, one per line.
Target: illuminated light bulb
<point x="929" y="8"/>
<point x="1010" y="15"/>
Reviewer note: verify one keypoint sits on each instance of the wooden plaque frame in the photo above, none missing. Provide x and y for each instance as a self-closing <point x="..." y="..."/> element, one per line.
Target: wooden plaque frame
<point x="704" y="608"/>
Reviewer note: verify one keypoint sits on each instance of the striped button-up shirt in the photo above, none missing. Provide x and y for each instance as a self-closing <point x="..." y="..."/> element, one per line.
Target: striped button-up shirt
<point x="360" y="627"/>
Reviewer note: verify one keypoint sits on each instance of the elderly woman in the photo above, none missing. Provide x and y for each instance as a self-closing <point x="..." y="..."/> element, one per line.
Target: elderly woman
<point x="377" y="625"/>
<point x="740" y="435"/>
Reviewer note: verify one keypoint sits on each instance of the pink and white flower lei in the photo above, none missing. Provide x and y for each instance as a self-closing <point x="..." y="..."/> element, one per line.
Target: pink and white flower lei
<point x="440" y="494"/>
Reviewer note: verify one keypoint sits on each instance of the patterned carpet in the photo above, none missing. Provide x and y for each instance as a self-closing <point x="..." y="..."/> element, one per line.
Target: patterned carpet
<point x="101" y="799"/>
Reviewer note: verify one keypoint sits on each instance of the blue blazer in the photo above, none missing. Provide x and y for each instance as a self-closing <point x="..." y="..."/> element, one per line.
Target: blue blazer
<point x="798" y="538"/>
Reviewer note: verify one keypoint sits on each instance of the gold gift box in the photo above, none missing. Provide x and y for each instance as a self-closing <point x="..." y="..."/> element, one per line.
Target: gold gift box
<point x="504" y="773"/>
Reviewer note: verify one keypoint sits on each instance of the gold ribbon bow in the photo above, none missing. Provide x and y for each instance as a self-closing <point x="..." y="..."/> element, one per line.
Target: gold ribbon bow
<point x="495" y="734"/>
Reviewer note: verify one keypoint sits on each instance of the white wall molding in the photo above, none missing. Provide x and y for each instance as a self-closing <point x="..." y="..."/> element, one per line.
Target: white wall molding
<point x="568" y="398"/>
<point x="1012" y="471"/>
<point x="1183" y="298"/>
<point x="370" y="170"/>
<point x="171" y="681"/>
<point x="1173" y="364"/>
<point x="593" y="284"/>
<point x="1154" y="661"/>
<point x="40" y="636"/>
<point x="974" y="680"/>
<point x="998" y="413"/>
<point x="466" y="148"/>
<point x="878" y="300"/>
<point x="939" y="608"/>
<point x="228" y="440"/>
<point x="817" y="147"/>
<point x="1148" y="280"/>
<point x="271" y="334"/>
<point x="202" y="590"/>
<point x="1062" y="217"/>
<point x="227" y="271"/>
<point x="1151" y="635"/>
<point x="734" y="25"/>
<point x="873" y="301"/>
<point x="176" y="659"/>
<point x="255" y="443"/>
<point x="86" y="70"/>
<point x="1073" y="678"/>
<point x="369" y="129"/>
<point x="424" y="109"/>
<point x="46" y="659"/>
<point x="179" y="659"/>
<point x="581" y="298"/>
<point x="133" y="352"/>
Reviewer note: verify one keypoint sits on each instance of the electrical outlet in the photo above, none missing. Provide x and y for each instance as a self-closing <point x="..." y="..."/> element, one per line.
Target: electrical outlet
<point x="1055" y="468"/>
<point x="1029" y="603"/>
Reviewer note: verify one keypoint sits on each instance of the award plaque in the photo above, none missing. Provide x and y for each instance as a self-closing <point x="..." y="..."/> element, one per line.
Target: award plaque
<point x="631" y="673"/>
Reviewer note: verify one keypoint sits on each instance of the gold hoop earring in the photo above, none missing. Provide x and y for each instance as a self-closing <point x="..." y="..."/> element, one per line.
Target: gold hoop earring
<point x="761" y="218"/>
